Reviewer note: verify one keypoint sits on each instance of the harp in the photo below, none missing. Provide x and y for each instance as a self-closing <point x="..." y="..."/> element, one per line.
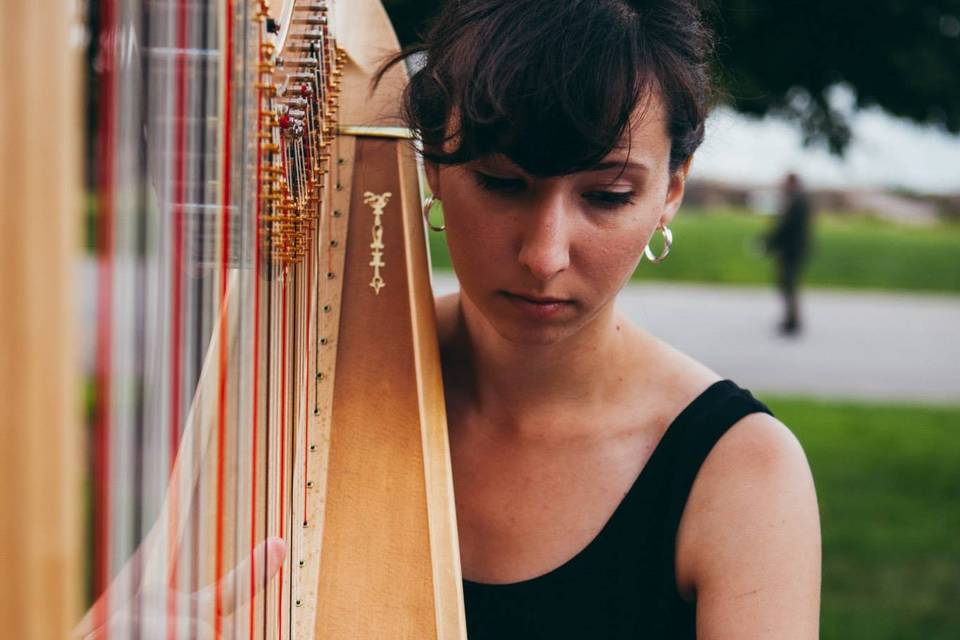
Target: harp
<point x="263" y="358"/>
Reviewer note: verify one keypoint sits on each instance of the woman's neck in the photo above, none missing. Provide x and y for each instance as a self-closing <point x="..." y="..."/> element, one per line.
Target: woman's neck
<point x="535" y="389"/>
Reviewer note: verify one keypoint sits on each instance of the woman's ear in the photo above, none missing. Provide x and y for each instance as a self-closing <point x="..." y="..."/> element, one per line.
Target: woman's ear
<point x="678" y="182"/>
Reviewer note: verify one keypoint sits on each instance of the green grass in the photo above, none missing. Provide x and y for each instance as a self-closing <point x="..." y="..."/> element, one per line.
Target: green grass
<point x="850" y="251"/>
<point x="888" y="482"/>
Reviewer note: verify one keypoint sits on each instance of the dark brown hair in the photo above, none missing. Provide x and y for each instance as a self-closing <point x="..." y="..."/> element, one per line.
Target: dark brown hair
<point x="552" y="84"/>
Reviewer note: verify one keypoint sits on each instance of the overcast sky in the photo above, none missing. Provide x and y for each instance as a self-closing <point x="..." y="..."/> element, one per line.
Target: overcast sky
<point x="885" y="151"/>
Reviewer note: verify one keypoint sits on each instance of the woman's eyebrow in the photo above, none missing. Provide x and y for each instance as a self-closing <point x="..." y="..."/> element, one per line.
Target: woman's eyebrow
<point x="619" y="164"/>
<point x="497" y="161"/>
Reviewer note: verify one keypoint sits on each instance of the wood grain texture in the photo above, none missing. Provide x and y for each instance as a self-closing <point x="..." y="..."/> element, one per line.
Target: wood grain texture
<point x="40" y="436"/>
<point x="389" y="565"/>
<point x="363" y="30"/>
<point x="389" y="559"/>
<point x="329" y="288"/>
<point x="438" y="472"/>
<point x="375" y="563"/>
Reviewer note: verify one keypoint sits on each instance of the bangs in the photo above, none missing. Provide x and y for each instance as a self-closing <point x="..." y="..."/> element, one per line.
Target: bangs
<point x="537" y="87"/>
<point x="554" y="85"/>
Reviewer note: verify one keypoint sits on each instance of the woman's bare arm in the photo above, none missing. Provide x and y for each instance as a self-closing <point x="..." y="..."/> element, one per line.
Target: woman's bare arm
<point x="751" y="537"/>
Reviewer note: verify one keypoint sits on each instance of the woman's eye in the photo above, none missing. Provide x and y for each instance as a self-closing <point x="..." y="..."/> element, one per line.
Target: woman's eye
<point x="610" y="199"/>
<point x="499" y="184"/>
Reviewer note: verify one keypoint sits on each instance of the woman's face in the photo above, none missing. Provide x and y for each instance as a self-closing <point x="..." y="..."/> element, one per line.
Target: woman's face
<point x="541" y="258"/>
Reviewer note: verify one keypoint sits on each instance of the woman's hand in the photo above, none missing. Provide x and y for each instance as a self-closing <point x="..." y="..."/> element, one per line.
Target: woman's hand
<point x="155" y="610"/>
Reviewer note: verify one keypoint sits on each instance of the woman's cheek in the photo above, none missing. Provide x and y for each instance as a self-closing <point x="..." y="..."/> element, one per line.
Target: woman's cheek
<point x="473" y="246"/>
<point x="618" y="251"/>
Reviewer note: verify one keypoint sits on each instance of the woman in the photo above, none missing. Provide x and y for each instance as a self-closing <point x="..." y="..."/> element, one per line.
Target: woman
<point x="608" y="486"/>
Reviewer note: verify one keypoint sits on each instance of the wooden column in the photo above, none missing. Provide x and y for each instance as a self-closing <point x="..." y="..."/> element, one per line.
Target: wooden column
<point x="40" y="429"/>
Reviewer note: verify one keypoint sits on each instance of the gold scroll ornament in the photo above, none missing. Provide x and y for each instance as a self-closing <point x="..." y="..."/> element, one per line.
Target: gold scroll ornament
<point x="377" y="202"/>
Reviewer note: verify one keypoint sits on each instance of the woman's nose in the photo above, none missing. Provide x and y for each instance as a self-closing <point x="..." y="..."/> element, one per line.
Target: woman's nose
<point x="545" y="242"/>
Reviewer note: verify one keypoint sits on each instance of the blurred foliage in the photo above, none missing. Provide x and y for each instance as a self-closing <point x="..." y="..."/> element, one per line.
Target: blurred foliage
<point x="784" y="57"/>
<point x="723" y="246"/>
<point x="888" y="483"/>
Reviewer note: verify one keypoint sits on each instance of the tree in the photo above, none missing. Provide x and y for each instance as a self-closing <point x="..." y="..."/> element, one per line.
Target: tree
<point x="783" y="57"/>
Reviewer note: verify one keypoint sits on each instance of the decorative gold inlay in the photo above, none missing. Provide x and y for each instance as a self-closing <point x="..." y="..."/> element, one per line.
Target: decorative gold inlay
<point x="378" y="202"/>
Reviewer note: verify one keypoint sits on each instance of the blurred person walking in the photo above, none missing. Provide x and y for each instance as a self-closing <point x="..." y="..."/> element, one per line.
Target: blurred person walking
<point x="789" y="243"/>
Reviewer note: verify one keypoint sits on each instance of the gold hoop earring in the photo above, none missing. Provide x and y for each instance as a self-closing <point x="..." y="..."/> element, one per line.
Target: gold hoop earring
<point x="426" y="215"/>
<point x="667" y="243"/>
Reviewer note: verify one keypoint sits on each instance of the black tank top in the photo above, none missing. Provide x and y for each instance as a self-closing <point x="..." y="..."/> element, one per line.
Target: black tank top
<point x="622" y="584"/>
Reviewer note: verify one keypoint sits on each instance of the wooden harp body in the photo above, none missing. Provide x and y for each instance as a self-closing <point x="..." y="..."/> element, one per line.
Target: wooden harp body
<point x="260" y="360"/>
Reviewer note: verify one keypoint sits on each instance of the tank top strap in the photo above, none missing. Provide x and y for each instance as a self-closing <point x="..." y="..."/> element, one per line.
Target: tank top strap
<point x="685" y="446"/>
<point x="622" y="585"/>
<point x="694" y="434"/>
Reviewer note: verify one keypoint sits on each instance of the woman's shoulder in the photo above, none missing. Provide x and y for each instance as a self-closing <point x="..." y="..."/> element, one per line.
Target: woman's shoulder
<point x="751" y="522"/>
<point x="757" y="448"/>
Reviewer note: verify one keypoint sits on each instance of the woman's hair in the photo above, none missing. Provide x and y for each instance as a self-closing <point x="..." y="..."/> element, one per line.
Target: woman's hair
<point x="552" y="84"/>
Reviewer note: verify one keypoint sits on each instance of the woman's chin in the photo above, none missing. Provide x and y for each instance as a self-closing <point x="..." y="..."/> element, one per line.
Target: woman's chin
<point x="528" y="337"/>
<point x="524" y="323"/>
<point x="526" y="330"/>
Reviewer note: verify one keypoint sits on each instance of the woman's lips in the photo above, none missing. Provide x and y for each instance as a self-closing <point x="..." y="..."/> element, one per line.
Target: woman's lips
<point x="538" y="307"/>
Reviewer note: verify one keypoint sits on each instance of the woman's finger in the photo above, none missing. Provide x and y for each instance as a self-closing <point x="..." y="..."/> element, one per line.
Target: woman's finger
<point x="247" y="579"/>
<point x="152" y="624"/>
<point x="154" y="612"/>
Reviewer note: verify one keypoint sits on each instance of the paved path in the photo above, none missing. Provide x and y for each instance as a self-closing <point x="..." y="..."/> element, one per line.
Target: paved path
<point x="856" y="345"/>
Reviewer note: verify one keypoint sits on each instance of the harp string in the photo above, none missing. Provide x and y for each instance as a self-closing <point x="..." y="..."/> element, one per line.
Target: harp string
<point x="177" y="276"/>
<point x="104" y="324"/>
<point x="254" y="385"/>
<point x="211" y="166"/>
<point x="226" y="201"/>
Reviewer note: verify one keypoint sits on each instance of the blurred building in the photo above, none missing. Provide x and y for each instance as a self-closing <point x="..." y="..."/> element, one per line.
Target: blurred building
<point x="897" y="206"/>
